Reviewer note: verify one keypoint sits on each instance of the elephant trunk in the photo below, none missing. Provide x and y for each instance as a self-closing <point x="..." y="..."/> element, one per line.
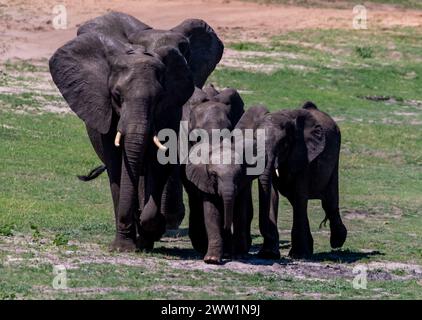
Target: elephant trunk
<point x="228" y="195"/>
<point x="134" y="147"/>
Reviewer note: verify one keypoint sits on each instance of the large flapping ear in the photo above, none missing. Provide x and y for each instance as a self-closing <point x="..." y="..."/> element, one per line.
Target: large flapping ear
<point x="198" y="175"/>
<point x="80" y="70"/>
<point x="231" y="98"/>
<point x="115" y="25"/>
<point x="178" y="81"/>
<point x="206" y="49"/>
<point x="309" y="139"/>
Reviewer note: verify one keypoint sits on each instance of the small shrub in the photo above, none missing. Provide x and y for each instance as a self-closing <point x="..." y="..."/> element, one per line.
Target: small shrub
<point x="60" y="239"/>
<point x="36" y="234"/>
<point x="6" y="230"/>
<point x="364" y="52"/>
<point x="246" y="46"/>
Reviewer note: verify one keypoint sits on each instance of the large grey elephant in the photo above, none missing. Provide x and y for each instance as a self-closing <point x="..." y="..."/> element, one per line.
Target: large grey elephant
<point x="127" y="81"/>
<point x="302" y="151"/>
<point x="211" y="200"/>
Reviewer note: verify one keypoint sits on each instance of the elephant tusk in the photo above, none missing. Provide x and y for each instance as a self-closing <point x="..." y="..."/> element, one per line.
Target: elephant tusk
<point x="158" y="144"/>
<point x="276" y="172"/>
<point x="117" y="139"/>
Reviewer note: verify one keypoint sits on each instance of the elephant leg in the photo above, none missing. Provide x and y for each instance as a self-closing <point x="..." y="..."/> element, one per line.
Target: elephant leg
<point x="213" y="223"/>
<point x="242" y="223"/>
<point x="330" y="204"/>
<point x="152" y="223"/>
<point x="112" y="158"/>
<point x="268" y="223"/>
<point x="197" y="230"/>
<point x="172" y="207"/>
<point x="302" y="242"/>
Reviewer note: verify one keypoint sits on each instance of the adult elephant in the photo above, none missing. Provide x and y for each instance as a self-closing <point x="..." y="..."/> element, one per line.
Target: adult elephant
<point x="302" y="148"/>
<point x="127" y="81"/>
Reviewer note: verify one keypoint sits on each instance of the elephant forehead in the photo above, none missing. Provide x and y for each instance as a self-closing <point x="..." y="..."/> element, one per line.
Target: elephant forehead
<point x="136" y="56"/>
<point x="153" y="39"/>
<point x="224" y="151"/>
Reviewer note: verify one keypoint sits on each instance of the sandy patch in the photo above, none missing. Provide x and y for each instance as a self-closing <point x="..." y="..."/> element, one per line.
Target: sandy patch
<point x="27" y="28"/>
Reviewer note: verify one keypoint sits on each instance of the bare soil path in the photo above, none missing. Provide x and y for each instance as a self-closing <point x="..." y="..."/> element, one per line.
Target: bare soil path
<point x="26" y="29"/>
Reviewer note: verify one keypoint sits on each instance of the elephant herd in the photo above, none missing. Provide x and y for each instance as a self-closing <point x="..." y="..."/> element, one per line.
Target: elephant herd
<point x="128" y="81"/>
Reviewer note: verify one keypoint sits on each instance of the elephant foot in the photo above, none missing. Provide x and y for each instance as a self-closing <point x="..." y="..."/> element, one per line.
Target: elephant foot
<point x="122" y="244"/>
<point x="269" y="254"/>
<point x="213" y="260"/>
<point x="154" y="228"/>
<point x="227" y="255"/>
<point x="338" y="235"/>
<point x="303" y="250"/>
<point x="240" y="256"/>
<point x="144" y="244"/>
<point x="199" y="243"/>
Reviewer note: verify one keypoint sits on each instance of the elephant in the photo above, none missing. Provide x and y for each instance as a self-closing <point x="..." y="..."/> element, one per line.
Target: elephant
<point x="214" y="110"/>
<point x="302" y="152"/>
<point x="127" y="81"/>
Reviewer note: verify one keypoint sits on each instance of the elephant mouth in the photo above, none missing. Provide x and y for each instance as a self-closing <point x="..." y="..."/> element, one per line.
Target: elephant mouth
<point x="154" y="139"/>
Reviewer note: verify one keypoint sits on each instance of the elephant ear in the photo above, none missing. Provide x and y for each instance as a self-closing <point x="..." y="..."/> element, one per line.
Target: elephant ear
<point x="80" y="71"/>
<point x="206" y="49"/>
<point x="198" y="175"/>
<point x="231" y="98"/>
<point x="115" y="25"/>
<point x="177" y="81"/>
<point x="252" y="117"/>
<point x="309" y="140"/>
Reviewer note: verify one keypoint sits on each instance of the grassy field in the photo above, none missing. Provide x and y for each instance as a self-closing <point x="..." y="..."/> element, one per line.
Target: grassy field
<point x="369" y="81"/>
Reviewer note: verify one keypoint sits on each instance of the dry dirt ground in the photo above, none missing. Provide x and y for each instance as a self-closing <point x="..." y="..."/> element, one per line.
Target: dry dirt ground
<point x="26" y="28"/>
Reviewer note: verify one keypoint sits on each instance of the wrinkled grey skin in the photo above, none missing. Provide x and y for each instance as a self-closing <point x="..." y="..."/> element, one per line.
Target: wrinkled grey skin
<point x="119" y="74"/>
<point x="212" y="198"/>
<point x="303" y="145"/>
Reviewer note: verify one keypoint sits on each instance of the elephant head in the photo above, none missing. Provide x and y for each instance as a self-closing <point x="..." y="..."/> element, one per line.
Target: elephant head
<point x="294" y="138"/>
<point x="219" y="178"/>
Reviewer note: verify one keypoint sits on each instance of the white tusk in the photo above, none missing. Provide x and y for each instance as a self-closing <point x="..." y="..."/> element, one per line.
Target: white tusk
<point x="117" y="139"/>
<point x="158" y="144"/>
<point x="276" y="172"/>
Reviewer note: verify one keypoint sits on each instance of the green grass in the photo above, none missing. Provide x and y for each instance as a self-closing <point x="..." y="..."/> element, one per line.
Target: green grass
<point x="48" y="214"/>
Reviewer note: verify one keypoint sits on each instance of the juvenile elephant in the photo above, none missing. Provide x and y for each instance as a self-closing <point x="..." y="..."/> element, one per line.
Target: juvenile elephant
<point x="127" y="81"/>
<point x="210" y="199"/>
<point x="302" y="149"/>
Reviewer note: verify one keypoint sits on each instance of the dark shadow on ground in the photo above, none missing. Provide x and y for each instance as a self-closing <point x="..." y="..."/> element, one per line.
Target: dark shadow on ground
<point x="343" y="256"/>
<point x="337" y="256"/>
<point x="182" y="253"/>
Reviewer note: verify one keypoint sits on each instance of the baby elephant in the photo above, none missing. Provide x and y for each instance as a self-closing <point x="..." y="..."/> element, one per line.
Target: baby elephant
<point x="302" y="148"/>
<point x="211" y="199"/>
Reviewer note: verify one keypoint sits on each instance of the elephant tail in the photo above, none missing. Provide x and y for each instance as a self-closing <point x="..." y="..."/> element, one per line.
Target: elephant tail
<point x="323" y="222"/>
<point x="93" y="174"/>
